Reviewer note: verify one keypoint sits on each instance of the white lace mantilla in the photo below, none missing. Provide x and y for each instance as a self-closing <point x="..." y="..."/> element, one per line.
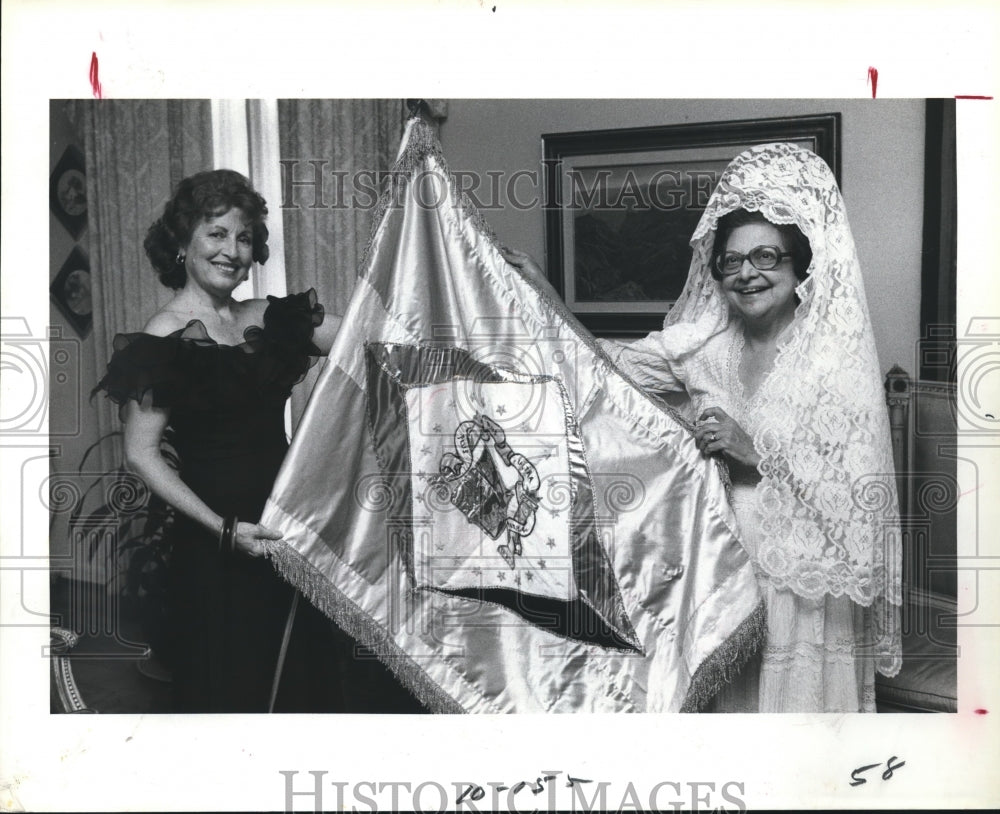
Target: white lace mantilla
<point x="826" y="503"/>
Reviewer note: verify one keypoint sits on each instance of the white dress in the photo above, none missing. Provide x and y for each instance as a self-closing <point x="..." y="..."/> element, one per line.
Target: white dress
<point x="810" y="661"/>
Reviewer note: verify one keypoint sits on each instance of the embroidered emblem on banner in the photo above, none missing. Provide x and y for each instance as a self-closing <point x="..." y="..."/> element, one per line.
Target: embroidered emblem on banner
<point x="487" y="489"/>
<point x="496" y="506"/>
<point x="477" y="474"/>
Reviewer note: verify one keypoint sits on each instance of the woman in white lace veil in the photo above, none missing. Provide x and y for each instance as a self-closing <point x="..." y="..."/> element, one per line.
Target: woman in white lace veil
<point x="772" y="341"/>
<point x="806" y="409"/>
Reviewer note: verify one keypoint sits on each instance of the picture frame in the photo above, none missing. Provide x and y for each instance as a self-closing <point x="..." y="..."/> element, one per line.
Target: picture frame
<point x="68" y="191"/>
<point x="70" y="291"/>
<point x="621" y="205"/>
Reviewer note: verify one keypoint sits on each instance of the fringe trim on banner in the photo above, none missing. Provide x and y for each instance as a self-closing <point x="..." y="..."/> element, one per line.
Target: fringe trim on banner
<point x="421" y="143"/>
<point x="719" y="668"/>
<point x="360" y="626"/>
<point x="725" y="663"/>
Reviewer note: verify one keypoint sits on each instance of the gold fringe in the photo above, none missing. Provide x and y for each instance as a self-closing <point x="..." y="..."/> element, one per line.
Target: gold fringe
<point x="421" y="144"/>
<point x="719" y="668"/>
<point x="298" y="571"/>
<point x="725" y="663"/>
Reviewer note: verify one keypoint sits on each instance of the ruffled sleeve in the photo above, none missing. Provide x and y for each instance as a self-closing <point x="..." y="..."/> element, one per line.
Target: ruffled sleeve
<point x="286" y="338"/>
<point x="170" y="370"/>
<point x="289" y="323"/>
<point x="189" y="369"/>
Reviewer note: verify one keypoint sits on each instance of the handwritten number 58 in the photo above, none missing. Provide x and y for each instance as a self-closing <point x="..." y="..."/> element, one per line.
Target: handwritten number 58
<point x="891" y="766"/>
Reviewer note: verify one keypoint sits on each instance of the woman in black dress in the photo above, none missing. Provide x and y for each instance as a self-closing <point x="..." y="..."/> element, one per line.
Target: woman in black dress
<point x="219" y="371"/>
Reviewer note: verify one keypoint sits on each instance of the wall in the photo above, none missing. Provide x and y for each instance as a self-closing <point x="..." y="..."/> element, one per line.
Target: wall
<point x="882" y="175"/>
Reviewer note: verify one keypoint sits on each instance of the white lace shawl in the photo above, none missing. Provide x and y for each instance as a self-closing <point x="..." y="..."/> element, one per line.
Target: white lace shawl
<point x="826" y="502"/>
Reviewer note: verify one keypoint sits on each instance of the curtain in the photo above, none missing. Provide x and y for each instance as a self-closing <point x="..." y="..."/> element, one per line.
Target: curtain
<point x="138" y="150"/>
<point x="332" y="149"/>
<point x="136" y="153"/>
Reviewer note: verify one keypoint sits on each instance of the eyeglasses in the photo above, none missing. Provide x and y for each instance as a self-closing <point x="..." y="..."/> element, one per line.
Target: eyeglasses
<point x="763" y="258"/>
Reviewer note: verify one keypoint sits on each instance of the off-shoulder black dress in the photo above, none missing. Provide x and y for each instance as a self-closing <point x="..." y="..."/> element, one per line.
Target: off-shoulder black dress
<point x="227" y="612"/>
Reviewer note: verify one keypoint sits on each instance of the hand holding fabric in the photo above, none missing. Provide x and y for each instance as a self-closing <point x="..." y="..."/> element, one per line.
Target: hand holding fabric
<point x="251" y="538"/>
<point x="719" y="432"/>
<point x="526" y="263"/>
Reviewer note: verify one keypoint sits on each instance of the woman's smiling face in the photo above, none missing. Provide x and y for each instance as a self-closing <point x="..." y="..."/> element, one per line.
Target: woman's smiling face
<point x="761" y="297"/>
<point x="219" y="254"/>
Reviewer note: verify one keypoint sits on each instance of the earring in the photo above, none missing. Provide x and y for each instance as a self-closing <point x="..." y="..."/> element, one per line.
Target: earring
<point x="179" y="260"/>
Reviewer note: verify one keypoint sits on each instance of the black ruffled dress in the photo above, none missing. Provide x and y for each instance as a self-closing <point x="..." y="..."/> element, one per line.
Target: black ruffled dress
<point x="227" y="612"/>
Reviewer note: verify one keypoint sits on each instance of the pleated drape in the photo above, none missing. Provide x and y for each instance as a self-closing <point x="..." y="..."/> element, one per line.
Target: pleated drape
<point x="354" y="138"/>
<point x="350" y="141"/>
<point x="136" y="153"/>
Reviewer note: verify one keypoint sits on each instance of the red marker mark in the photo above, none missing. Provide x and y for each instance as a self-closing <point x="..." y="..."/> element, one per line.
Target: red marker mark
<point x="873" y="79"/>
<point x="95" y="81"/>
<point x="974" y="97"/>
<point x="970" y="491"/>
<point x="981" y="711"/>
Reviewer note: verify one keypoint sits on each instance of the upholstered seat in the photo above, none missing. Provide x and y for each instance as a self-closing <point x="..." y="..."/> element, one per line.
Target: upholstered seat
<point x="923" y="424"/>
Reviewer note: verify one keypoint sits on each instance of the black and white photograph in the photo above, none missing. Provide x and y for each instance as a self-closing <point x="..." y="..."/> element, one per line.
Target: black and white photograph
<point x="364" y="430"/>
<point x="484" y="489"/>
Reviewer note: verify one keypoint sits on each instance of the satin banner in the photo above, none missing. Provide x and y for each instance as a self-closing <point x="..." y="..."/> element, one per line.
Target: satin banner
<point x="478" y="494"/>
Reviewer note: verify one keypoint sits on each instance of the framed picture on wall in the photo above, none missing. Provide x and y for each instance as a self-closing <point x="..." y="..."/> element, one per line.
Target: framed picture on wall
<point x="621" y="205"/>
<point x="68" y="192"/>
<point x="70" y="291"/>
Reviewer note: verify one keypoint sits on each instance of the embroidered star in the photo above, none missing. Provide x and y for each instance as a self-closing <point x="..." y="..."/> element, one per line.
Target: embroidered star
<point x="517" y="579"/>
<point x="551" y="543"/>
<point x="501" y="410"/>
<point x="457" y="560"/>
<point x="426" y="450"/>
<point x="501" y="576"/>
<point x="477" y="571"/>
<point x="529" y="576"/>
<point x="554" y="512"/>
<point x="436" y="428"/>
<point x="439" y="546"/>
<point x="541" y="564"/>
<point x="419" y="498"/>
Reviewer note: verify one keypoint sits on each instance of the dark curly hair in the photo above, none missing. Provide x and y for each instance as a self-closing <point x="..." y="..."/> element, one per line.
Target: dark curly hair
<point x="798" y="243"/>
<point x="199" y="196"/>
